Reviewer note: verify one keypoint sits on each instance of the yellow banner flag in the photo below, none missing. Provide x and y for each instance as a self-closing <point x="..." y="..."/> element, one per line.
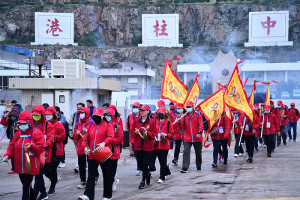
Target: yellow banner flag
<point x="268" y="96"/>
<point x="172" y="88"/>
<point x="212" y="108"/>
<point x="235" y="96"/>
<point x="251" y="102"/>
<point x="228" y="112"/>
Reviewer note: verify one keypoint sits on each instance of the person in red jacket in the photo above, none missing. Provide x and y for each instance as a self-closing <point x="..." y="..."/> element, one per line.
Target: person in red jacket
<point x="57" y="150"/>
<point x="249" y="131"/>
<point x="274" y="111"/>
<point x="116" y="146"/>
<point x="270" y="127"/>
<point x="144" y="131"/>
<point x="130" y="119"/>
<point x="117" y="116"/>
<point x="178" y="131"/>
<point x="28" y="141"/>
<point x="284" y="114"/>
<point x="220" y="134"/>
<point x="163" y="143"/>
<point x="192" y="126"/>
<point x="293" y="117"/>
<point x="80" y="130"/>
<point x="40" y="122"/>
<point x="161" y="104"/>
<point x="238" y="149"/>
<point x="100" y="134"/>
<point x="258" y="122"/>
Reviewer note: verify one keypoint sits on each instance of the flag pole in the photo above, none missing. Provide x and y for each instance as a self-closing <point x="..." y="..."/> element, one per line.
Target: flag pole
<point x="242" y="132"/>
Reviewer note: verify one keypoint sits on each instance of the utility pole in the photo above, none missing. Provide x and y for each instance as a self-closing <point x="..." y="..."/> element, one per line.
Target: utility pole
<point x="29" y="63"/>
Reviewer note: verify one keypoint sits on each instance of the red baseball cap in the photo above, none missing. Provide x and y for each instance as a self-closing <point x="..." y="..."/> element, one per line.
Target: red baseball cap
<point x="256" y="106"/>
<point x="292" y="104"/>
<point x="136" y="104"/>
<point x="267" y="107"/>
<point x="162" y="110"/>
<point x="145" y="108"/>
<point x="263" y="104"/>
<point x="190" y="103"/>
<point x="279" y="102"/>
<point x="272" y="102"/>
<point x="51" y="110"/>
<point x="160" y="103"/>
<point x="179" y="105"/>
<point x="98" y="111"/>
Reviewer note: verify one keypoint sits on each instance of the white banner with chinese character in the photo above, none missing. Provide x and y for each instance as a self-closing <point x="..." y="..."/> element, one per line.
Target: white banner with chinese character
<point x="160" y="30"/>
<point x="269" y="28"/>
<point x="54" y="28"/>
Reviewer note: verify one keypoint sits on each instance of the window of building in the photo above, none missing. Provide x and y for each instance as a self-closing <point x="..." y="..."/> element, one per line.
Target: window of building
<point x="61" y="98"/>
<point x="133" y="80"/>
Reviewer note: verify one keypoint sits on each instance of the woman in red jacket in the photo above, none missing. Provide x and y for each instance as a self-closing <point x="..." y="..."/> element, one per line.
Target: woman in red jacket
<point x="163" y="143"/>
<point x="238" y="149"/>
<point x="144" y="147"/>
<point x="100" y="134"/>
<point x="39" y="121"/>
<point x="220" y="134"/>
<point x="270" y="127"/>
<point x="57" y="151"/>
<point x="28" y="140"/>
<point x="178" y="131"/>
<point x="249" y="131"/>
<point x="80" y="130"/>
<point x="116" y="146"/>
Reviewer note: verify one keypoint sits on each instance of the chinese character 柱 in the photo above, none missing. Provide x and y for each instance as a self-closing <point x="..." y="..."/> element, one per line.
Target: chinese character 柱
<point x="163" y="28"/>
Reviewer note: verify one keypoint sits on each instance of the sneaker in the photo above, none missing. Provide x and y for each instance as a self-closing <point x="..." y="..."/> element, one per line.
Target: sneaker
<point x="83" y="197"/>
<point x="251" y="160"/>
<point x="138" y="173"/>
<point x="256" y="149"/>
<point x="214" y="165"/>
<point x="148" y="178"/>
<point x="96" y="179"/>
<point x="160" y="181"/>
<point x="184" y="170"/>
<point x="61" y="165"/>
<point x="269" y="155"/>
<point x="42" y="197"/>
<point x="236" y="155"/>
<point x="260" y="145"/>
<point x="76" y="170"/>
<point x="142" y="185"/>
<point x="11" y="172"/>
<point x="81" y="185"/>
<point x="265" y="146"/>
<point x="175" y="162"/>
<point x="107" y="198"/>
<point x="114" y="187"/>
<point x="294" y="140"/>
<point x="198" y="168"/>
<point x="51" y="191"/>
<point x="241" y="154"/>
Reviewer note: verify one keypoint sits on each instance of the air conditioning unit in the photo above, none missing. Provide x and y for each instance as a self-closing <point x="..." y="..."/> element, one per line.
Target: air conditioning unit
<point x="68" y="68"/>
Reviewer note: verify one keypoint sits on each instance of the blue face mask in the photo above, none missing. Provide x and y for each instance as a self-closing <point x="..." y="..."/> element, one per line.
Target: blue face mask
<point x="189" y="110"/>
<point x="179" y="110"/>
<point x="135" y="110"/>
<point x="23" y="127"/>
<point x="108" y="118"/>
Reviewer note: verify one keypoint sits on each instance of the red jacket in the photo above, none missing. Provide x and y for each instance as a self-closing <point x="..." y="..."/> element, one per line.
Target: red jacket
<point x="293" y="115"/>
<point x="178" y="130"/>
<point x="83" y="123"/>
<point x="225" y="124"/>
<point x="249" y="127"/>
<point x="59" y="137"/>
<point x="162" y="127"/>
<point x="171" y="114"/>
<point x="130" y="119"/>
<point x="284" y="114"/>
<point x="16" y="148"/>
<point x="257" y="119"/>
<point x="117" y="141"/>
<point x="139" y="143"/>
<point x="274" y="125"/>
<point x="237" y="128"/>
<point x="97" y="134"/>
<point x="191" y="126"/>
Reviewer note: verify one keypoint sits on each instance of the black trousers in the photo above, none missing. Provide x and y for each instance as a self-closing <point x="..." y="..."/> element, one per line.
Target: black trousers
<point x="250" y="139"/>
<point x="113" y="168"/>
<point x="51" y="173"/>
<point x="26" y="181"/>
<point x="82" y="167"/>
<point x="269" y="142"/>
<point x="177" y="149"/>
<point x="144" y="159"/>
<point x="162" y="158"/>
<point x="39" y="183"/>
<point x="92" y="173"/>
<point x="282" y="135"/>
<point x="238" y="148"/>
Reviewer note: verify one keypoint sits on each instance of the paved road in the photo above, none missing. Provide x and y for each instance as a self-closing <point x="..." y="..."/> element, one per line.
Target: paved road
<point x="276" y="177"/>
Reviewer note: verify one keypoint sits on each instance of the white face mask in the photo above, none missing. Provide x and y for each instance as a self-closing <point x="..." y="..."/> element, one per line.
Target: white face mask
<point x="49" y="117"/>
<point x="267" y="111"/>
<point x="82" y="115"/>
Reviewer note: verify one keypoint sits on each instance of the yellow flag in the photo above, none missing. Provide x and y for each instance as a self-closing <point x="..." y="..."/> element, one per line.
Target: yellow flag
<point x="228" y="112"/>
<point x="172" y="88"/>
<point x="193" y="93"/>
<point x="235" y="96"/>
<point x="268" y="96"/>
<point x="252" y="94"/>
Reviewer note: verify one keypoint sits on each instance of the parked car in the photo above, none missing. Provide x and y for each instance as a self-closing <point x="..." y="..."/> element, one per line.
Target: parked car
<point x="285" y="95"/>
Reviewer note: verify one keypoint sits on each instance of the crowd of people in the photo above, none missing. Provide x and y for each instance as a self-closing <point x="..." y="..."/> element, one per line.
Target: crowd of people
<point x="37" y="141"/>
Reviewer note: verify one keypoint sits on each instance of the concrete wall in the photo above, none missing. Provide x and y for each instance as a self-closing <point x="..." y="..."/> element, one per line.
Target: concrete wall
<point x="10" y="95"/>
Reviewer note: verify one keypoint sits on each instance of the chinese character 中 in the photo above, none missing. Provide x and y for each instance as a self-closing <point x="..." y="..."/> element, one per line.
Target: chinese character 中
<point x="53" y="27"/>
<point x="268" y="24"/>
<point x="163" y="28"/>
